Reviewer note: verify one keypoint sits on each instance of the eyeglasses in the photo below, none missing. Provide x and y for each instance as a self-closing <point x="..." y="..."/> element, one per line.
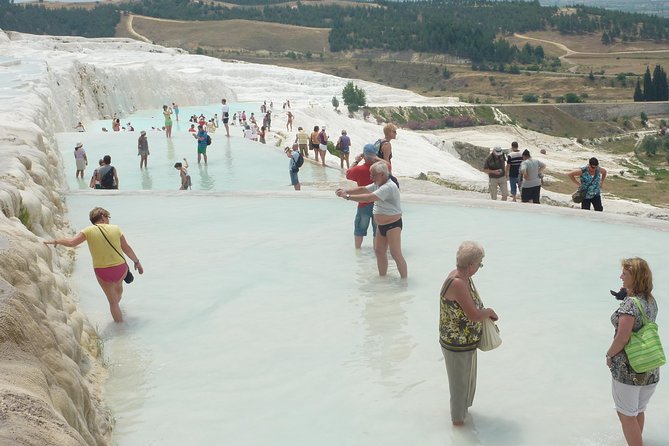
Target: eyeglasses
<point x="481" y="265"/>
<point x="107" y="216"/>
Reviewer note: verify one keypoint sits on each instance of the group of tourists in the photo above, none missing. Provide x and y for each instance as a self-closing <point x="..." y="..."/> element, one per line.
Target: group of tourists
<point x="525" y="174"/>
<point x="377" y="194"/>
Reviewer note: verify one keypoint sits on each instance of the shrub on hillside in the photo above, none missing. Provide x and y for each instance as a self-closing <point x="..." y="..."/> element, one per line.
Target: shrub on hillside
<point x="530" y="97"/>
<point x="650" y="144"/>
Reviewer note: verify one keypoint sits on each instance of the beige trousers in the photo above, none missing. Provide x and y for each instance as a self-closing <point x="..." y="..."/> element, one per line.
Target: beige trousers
<point x="461" y="369"/>
<point x="502" y="182"/>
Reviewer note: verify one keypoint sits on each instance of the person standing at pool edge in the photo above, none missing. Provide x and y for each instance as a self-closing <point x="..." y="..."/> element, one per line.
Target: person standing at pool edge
<point x="225" y="115"/>
<point x="294" y="155"/>
<point x="80" y="159"/>
<point x="143" y="149"/>
<point x="513" y="161"/>
<point x="591" y="178"/>
<point x="201" y="137"/>
<point x="167" y="112"/>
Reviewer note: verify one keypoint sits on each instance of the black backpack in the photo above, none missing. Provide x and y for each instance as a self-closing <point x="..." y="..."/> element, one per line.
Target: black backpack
<point x="107" y="180"/>
<point x="208" y="140"/>
<point x="300" y="161"/>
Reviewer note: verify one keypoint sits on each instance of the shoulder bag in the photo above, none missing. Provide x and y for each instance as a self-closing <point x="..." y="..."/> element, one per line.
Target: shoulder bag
<point x="490" y="338"/>
<point x="128" y="277"/>
<point x="644" y="349"/>
<point x="579" y="195"/>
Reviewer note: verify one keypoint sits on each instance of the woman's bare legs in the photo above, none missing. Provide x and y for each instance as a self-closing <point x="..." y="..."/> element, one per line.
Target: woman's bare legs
<point x="632" y="428"/>
<point x="114" y="292"/>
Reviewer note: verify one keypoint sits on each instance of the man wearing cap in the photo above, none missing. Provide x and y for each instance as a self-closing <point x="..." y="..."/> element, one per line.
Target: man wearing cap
<point x="494" y="166"/>
<point x="142" y="149"/>
<point x="532" y="173"/>
<point x="360" y="174"/>
<point x="513" y="160"/>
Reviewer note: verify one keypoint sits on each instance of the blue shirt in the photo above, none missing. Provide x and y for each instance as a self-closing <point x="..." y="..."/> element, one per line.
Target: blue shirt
<point x="292" y="163"/>
<point x="201" y="144"/>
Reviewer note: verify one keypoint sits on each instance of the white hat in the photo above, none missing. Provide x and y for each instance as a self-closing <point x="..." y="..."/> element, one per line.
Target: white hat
<point x="498" y="150"/>
<point x="79" y="145"/>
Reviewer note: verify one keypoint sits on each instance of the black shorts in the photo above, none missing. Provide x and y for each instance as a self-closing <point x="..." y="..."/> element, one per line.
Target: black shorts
<point x="383" y="229"/>
<point x="225" y="120"/>
<point x="532" y="194"/>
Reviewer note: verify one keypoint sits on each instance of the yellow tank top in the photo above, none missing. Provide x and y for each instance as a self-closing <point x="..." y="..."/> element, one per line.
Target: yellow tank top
<point x="102" y="253"/>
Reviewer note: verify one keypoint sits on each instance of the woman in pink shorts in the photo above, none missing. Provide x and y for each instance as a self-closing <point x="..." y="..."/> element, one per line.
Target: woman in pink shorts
<point x="105" y="242"/>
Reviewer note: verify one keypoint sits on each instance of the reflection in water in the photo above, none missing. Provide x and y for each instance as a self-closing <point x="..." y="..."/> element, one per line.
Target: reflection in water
<point x="82" y="184"/>
<point x="227" y="153"/>
<point x="127" y="387"/>
<point x="147" y="181"/>
<point x="386" y="343"/>
<point x="206" y="182"/>
<point x="170" y="149"/>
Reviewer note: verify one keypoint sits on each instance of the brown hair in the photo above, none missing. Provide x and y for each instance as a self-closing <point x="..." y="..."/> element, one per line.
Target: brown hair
<point x="642" y="277"/>
<point x="97" y="213"/>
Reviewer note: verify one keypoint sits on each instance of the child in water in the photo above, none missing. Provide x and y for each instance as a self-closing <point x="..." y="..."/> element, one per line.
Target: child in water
<point x="183" y="172"/>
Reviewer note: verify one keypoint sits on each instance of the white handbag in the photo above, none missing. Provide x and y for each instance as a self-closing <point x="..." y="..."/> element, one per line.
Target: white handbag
<point x="489" y="335"/>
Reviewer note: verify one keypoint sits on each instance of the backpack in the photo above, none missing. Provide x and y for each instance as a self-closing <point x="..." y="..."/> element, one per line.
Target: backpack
<point x="107" y="181"/>
<point x="208" y="140"/>
<point x="377" y="145"/>
<point x="300" y="161"/>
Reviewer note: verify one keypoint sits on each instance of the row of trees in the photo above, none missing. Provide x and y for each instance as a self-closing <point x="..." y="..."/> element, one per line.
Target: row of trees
<point x="35" y="19"/>
<point x="654" y="88"/>
<point x="465" y="28"/>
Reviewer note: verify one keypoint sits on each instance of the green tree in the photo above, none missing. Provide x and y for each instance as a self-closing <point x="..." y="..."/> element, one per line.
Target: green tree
<point x="660" y="86"/>
<point x="354" y="97"/>
<point x="644" y="118"/>
<point x="648" y="92"/>
<point x="638" y="94"/>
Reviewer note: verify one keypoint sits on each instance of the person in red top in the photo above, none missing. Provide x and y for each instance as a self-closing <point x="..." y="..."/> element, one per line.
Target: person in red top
<point x="360" y="174"/>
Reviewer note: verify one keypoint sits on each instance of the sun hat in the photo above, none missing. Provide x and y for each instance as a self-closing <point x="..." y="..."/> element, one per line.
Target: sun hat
<point x="498" y="150"/>
<point x="79" y="145"/>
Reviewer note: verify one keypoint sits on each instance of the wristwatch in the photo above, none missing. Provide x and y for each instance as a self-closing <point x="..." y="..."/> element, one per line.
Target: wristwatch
<point x="348" y="196"/>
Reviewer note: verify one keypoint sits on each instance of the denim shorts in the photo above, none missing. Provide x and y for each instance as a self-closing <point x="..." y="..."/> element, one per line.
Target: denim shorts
<point x="362" y="219"/>
<point x="293" y="178"/>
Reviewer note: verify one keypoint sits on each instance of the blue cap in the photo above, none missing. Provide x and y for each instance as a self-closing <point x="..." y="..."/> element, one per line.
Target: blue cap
<point x="370" y="149"/>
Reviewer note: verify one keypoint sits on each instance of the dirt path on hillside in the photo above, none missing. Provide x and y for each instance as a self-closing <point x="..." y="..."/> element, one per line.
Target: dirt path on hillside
<point x="132" y="32"/>
<point x="570" y="52"/>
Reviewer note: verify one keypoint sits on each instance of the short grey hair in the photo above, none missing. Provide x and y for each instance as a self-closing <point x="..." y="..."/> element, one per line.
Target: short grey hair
<point x="380" y="167"/>
<point x="469" y="253"/>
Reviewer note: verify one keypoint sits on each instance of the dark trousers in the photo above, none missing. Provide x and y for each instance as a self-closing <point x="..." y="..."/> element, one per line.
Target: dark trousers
<point x="596" y="203"/>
